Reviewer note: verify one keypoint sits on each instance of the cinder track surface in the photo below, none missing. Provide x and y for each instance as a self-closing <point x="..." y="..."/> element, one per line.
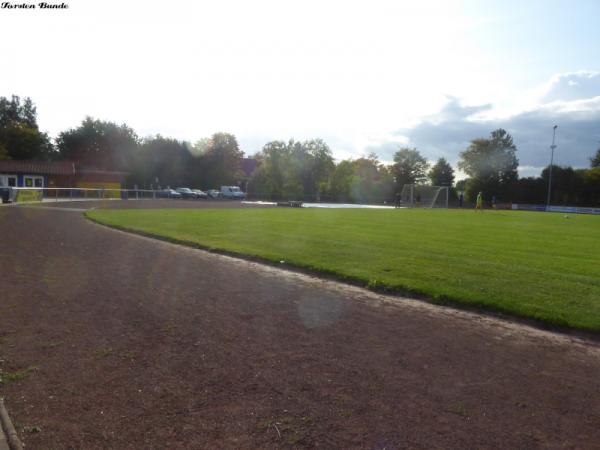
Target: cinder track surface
<point x="137" y="343"/>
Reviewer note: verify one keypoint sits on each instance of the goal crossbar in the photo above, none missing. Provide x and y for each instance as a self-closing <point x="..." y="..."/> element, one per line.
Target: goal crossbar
<point x="425" y="196"/>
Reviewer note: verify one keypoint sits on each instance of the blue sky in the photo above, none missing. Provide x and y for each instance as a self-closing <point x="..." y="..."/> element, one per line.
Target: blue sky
<point x="364" y="76"/>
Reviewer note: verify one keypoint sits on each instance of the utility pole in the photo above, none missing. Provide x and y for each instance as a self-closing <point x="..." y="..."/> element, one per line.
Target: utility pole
<point x="552" y="147"/>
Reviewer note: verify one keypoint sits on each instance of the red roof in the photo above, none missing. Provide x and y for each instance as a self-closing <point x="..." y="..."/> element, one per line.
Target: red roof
<point x="38" y="167"/>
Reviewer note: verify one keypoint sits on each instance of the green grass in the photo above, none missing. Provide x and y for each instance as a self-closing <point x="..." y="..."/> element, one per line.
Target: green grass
<point x="9" y="377"/>
<point x="533" y="265"/>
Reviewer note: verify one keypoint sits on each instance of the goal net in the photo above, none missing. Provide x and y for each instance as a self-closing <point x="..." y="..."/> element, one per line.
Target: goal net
<point x="424" y="196"/>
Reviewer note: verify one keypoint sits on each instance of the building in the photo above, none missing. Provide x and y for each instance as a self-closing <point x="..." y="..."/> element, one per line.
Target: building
<point x="59" y="174"/>
<point x="37" y="174"/>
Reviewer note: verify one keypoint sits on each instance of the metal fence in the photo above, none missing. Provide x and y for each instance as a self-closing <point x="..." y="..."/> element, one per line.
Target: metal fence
<point x="25" y="195"/>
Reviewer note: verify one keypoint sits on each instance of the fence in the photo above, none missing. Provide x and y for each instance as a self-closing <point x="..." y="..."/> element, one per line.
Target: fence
<point x="24" y="195"/>
<point x="558" y="209"/>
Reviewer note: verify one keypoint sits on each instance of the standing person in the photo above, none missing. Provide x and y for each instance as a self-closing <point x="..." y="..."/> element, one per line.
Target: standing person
<point x="494" y="201"/>
<point x="479" y="202"/>
<point x="461" y="199"/>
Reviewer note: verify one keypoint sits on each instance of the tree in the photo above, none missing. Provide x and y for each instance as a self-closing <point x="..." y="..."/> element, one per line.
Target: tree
<point x="493" y="158"/>
<point x="591" y="181"/>
<point x="163" y="162"/>
<point x="567" y="185"/>
<point x="200" y="147"/>
<point x="3" y="152"/>
<point x="409" y="167"/>
<point x="491" y="163"/>
<point x="222" y="160"/>
<point x="461" y="184"/>
<point x="318" y="168"/>
<point x="20" y="137"/>
<point x="341" y="181"/>
<point x="294" y="170"/>
<point x="595" y="161"/>
<point x="270" y="177"/>
<point x="373" y="182"/>
<point x="442" y="173"/>
<point x="12" y="112"/>
<point x="104" y="145"/>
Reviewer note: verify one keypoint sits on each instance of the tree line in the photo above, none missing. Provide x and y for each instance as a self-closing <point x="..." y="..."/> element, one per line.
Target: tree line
<point x="291" y="170"/>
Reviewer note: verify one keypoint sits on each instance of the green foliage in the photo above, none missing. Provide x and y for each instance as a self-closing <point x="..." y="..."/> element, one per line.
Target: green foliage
<point x="341" y="181"/>
<point x="373" y="182"/>
<point x="293" y="170"/>
<point x="3" y="152"/>
<point x="306" y="171"/>
<point x="492" y="165"/>
<point x="461" y="184"/>
<point x="595" y="160"/>
<point x="20" y="375"/>
<point x="573" y="187"/>
<point x="591" y="186"/>
<point x="567" y="185"/>
<point x="163" y="162"/>
<point x="442" y="173"/>
<point x="200" y="147"/>
<point x="221" y="161"/>
<point x="409" y="167"/>
<point x="103" y="352"/>
<point x="14" y="112"/>
<point x="20" y="137"/>
<point x="516" y="262"/>
<point x="100" y="144"/>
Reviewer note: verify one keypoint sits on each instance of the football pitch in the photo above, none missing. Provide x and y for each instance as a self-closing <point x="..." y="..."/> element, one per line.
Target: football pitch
<point x="542" y="266"/>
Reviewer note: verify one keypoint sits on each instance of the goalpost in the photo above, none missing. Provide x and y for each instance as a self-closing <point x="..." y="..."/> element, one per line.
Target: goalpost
<point x="424" y="196"/>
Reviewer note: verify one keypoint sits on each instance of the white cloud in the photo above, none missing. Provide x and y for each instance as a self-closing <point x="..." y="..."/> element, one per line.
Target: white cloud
<point x="448" y="132"/>
<point x="363" y="76"/>
<point x="570" y="86"/>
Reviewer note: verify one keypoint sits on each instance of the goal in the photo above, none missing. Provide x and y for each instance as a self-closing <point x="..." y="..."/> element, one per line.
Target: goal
<point x="424" y="196"/>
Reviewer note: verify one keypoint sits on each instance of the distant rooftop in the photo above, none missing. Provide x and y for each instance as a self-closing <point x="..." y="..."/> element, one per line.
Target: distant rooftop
<point x="38" y="167"/>
<point x="52" y="168"/>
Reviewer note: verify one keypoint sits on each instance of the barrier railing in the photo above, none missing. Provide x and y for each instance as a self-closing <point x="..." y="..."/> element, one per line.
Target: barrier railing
<point x="35" y="194"/>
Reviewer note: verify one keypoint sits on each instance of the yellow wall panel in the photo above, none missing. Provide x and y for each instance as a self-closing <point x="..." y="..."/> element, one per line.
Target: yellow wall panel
<point x="101" y="185"/>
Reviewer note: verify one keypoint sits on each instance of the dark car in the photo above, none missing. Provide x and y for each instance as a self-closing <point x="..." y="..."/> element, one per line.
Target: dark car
<point x="5" y="194"/>
<point x="199" y="193"/>
<point x="186" y="192"/>
<point x="168" y="193"/>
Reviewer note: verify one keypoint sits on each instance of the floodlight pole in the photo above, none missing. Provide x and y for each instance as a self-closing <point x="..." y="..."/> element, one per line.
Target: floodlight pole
<point x="552" y="147"/>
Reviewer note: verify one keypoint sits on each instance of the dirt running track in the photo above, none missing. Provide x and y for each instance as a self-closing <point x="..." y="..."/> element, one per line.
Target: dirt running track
<point x="136" y="343"/>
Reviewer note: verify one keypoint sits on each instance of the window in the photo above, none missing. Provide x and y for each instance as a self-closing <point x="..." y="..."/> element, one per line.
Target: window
<point x="8" y="180"/>
<point x="33" y="181"/>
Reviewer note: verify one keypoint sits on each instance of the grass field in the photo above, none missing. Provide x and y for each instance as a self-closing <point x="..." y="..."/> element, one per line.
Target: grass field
<point x="533" y="265"/>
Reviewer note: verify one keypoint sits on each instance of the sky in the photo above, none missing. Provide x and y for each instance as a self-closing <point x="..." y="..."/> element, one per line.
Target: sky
<point x="365" y="76"/>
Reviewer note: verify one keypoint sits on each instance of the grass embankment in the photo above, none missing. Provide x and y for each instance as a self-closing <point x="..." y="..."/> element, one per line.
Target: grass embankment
<point x="534" y="265"/>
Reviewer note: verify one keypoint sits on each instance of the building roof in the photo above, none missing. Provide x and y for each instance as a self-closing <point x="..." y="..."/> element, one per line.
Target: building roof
<point x="91" y="170"/>
<point x="38" y="167"/>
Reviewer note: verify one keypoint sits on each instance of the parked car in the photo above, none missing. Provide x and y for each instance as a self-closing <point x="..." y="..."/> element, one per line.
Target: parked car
<point x="168" y="193"/>
<point x="232" y="192"/>
<point x="200" y="194"/>
<point x="5" y="194"/>
<point x="214" y="193"/>
<point x="186" y="192"/>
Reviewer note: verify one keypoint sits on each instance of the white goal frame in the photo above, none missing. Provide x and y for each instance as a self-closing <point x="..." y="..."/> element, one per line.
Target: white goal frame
<point x="425" y="196"/>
